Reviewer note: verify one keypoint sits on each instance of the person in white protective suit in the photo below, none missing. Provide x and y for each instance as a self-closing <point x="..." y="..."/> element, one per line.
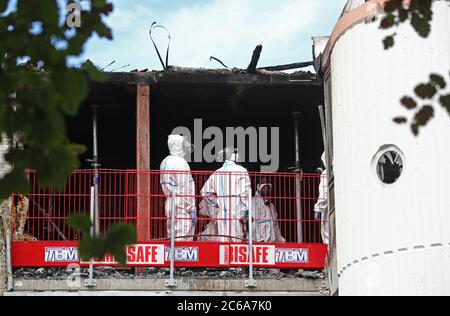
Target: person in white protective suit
<point x="179" y="189"/>
<point x="210" y="231"/>
<point x="265" y="223"/>
<point x="229" y="190"/>
<point x="321" y="207"/>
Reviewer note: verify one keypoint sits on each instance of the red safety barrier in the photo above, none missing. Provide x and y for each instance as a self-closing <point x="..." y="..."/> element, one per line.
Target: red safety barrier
<point x="212" y="213"/>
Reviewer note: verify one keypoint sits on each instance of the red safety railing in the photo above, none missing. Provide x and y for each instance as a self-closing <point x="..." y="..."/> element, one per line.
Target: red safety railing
<point x="213" y="211"/>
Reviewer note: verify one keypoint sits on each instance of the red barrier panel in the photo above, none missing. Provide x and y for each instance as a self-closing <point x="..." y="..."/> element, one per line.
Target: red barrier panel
<point x="188" y="255"/>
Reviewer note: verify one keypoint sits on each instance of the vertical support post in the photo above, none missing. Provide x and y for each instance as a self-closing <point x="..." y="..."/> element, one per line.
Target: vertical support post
<point x="96" y="165"/>
<point x="325" y="139"/>
<point x="90" y="282"/>
<point x="8" y="224"/>
<point x="172" y="282"/>
<point x="126" y="197"/>
<point x="9" y="284"/>
<point x="298" y="178"/>
<point x="94" y="210"/>
<point x="251" y="282"/>
<point x="143" y="162"/>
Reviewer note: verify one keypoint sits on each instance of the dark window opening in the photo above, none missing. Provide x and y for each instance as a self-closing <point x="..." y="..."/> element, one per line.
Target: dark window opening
<point x="389" y="167"/>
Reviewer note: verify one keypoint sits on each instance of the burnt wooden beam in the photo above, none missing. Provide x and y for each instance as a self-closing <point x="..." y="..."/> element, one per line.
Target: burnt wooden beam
<point x="205" y="78"/>
<point x="251" y="69"/>
<point x="288" y="66"/>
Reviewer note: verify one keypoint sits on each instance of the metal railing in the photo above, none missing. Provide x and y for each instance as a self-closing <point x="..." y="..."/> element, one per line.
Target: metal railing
<point x="210" y="216"/>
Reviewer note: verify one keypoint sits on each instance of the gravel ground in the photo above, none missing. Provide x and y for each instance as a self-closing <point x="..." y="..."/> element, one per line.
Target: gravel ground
<point x="163" y="273"/>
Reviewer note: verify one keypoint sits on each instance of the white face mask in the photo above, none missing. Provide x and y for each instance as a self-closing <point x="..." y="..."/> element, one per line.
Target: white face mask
<point x="234" y="157"/>
<point x="188" y="147"/>
<point x="229" y="154"/>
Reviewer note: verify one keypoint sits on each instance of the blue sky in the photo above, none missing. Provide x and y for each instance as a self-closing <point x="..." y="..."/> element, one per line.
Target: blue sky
<point x="226" y="29"/>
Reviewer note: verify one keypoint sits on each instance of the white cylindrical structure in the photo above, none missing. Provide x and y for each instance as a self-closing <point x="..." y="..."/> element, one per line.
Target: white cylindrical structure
<point x="392" y="239"/>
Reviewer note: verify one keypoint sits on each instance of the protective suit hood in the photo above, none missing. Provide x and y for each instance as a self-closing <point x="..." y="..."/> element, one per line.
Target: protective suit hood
<point x="175" y="144"/>
<point x="324" y="160"/>
<point x="262" y="185"/>
<point x="228" y="154"/>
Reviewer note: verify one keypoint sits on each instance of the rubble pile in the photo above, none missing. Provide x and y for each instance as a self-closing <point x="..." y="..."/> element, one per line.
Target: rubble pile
<point x="163" y="273"/>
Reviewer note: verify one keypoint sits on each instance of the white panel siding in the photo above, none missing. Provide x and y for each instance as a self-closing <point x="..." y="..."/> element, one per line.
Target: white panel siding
<point x="368" y="83"/>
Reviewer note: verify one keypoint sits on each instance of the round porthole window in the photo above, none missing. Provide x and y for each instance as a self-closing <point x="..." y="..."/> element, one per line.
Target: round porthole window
<point x="389" y="164"/>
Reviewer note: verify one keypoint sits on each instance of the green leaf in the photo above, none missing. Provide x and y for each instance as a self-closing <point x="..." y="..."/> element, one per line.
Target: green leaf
<point x="117" y="238"/>
<point x="15" y="181"/>
<point x="78" y="149"/>
<point x="103" y="6"/>
<point x="3" y="5"/>
<point x="80" y="222"/>
<point x="120" y="235"/>
<point x="408" y="103"/>
<point x="403" y="14"/>
<point x="73" y="85"/>
<point x="393" y="5"/>
<point x="45" y="88"/>
<point x="415" y="129"/>
<point x="387" y="22"/>
<point x="438" y="81"/>
<point x="445" y="102"/>
<point x="92" y="71"/>
<point x="51" y="173"/>
<point x="400" y="120"/>
<point x="91" y="248"/>
<point x="422" y="117"/>
<point x="103" y="31"/>
<point x="421" y="25"/>
<point x="388" y="42"/>
<point x="425" y="91"/>
<point x="425" y="114"/>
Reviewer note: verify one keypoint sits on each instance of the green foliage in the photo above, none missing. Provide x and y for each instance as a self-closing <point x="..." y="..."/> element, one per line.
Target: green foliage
<point x="445" y="102"/>
<point x="80" y="222"/>
<point x="389" y="41"/>
<point x="425" y="91"/>
<point x="409" y="103"/>
<point x="114" y="243"/>
<point x="419" y="13"/>
<point x="422" y="117"/>
<point x="3" y="5"/>
<point x="35" y="96"/>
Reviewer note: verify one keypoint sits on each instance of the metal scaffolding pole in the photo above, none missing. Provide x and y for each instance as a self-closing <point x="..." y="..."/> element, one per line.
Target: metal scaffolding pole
<point x="298" y="178"/>
<point x="94" y="210"/>
<point x="251" y="282"/>
<point x="172" y="282"/>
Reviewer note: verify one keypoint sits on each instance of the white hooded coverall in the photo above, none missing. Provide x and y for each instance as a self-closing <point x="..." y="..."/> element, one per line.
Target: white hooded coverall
<point x="210" y="232"/>
<point x="179" y="188"/>
<point x="321" y="206"/>
<point x="229" y="189"/>
<point x="265" y="225"/>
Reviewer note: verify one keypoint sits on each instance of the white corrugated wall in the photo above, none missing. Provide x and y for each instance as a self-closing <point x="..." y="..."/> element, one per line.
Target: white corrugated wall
<point x="391" y="240"/>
